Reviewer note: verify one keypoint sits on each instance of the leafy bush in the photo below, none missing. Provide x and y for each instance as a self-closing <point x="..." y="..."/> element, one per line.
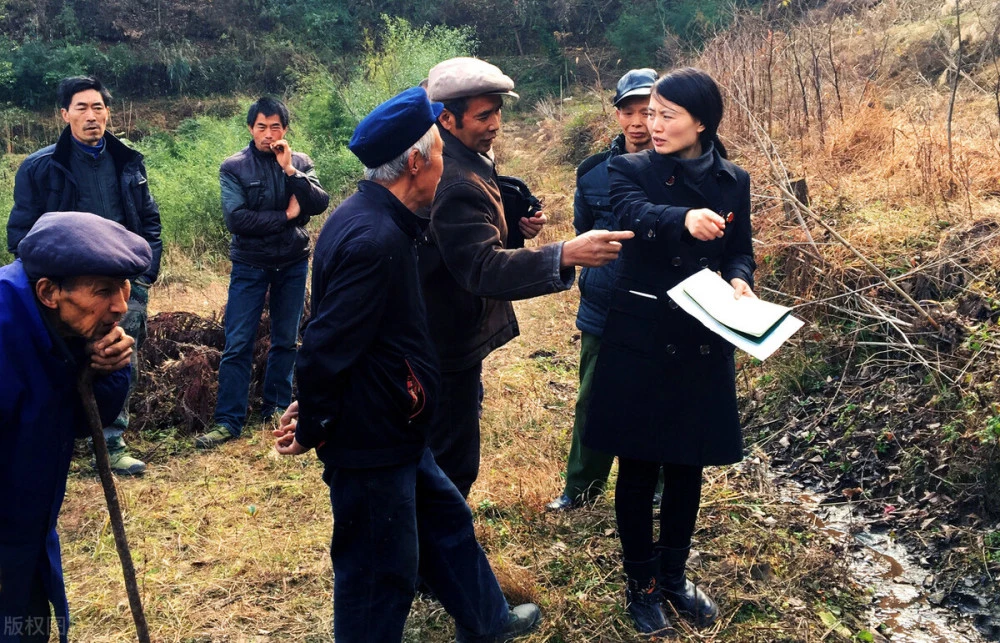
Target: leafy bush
<point x="642" y="30"/>
<point x="398" y="57"/>
<point x="636" y="37"/>
<point x="536" y="78"/>
<point x="184" y="179"/>
<point x="30" y="73"/>
<point x="8" y="167"/>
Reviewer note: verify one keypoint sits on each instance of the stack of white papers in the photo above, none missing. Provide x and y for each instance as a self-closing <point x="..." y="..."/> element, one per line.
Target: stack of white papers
<point x="753" y="325"/>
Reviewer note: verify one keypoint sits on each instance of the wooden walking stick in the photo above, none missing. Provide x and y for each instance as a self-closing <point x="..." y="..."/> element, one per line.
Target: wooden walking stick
<point x="85" y="387"/>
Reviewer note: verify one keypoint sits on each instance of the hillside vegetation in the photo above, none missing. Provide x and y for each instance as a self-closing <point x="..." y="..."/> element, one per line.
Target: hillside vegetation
<point x="889" y="400"/>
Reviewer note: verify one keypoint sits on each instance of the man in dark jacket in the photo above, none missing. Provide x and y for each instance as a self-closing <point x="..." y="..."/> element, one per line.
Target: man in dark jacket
<point x="90" y="170"/>
<point x="368" y="382"/>
<point x="60" y="304"/>
<point x="587" y="470"/>
<point x="269" y="193"/>
<point x="469" y="279"/>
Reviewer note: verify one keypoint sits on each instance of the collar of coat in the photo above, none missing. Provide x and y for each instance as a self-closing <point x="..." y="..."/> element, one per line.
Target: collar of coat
<point x="456" y="150"/>
<point x="669" y="165"/>
<point x="618" y="145"/>
<point x="120" y="152"/>
<point x="412" y="225"/>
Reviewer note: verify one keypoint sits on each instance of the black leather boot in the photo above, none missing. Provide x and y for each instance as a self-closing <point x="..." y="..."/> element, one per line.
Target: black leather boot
<point x="521" y="620"/>
<point x="685" y="597"/>
<point x="643" y="600"/>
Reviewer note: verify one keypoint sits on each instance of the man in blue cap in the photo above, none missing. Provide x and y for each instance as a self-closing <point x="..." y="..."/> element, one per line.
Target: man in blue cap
<point x="368" y="385"/>
<point x="60" y="304"/>
<point x="89" y="169"/>
<point x="587" y="470"/>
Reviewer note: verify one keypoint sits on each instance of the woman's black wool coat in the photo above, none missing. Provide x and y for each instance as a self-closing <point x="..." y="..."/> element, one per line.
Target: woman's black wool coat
<point x="665" y="386"/>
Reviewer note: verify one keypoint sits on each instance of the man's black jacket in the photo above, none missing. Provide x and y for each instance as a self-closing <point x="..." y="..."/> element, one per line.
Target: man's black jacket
<point x="367" y="373"/>
<point x="255" y="194"/>
<point x="45" y="183"/>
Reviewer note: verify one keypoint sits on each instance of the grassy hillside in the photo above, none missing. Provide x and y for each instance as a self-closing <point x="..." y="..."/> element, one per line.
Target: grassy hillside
<point x="888" y="405"/>
<point x="232" y="545"/>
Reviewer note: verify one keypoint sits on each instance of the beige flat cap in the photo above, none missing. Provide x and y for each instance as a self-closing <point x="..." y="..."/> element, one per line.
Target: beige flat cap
<point x="463" y="77"/>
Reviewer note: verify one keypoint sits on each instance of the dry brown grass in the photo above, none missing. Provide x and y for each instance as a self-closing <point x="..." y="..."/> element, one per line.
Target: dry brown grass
<point x="853" y="103"/>
<point x="232" y="545"/>
<point x="846" y="109"/>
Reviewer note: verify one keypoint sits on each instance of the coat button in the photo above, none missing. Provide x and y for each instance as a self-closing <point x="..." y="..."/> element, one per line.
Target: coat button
<point x="671" y="349"/>
<point x="703" y="262"/>
<point x="705" y="349"/>
<point x="670" y="181"/>
<point x="676" y="262"/>
<point x="672" y="304"/>
<point x="650" y="234"/>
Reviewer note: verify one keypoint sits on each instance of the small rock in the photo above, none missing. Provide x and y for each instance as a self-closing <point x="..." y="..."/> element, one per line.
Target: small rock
<point x="784" y="441"/>
<point x="936" y="598"/>
<point x="761" y="572"/>
<point x="727" y="568"/>
<point x="796" y="603"/>
<point x="929" y="580"/>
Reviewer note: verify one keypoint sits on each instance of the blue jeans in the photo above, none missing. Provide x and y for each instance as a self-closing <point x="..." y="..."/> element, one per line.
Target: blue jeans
<point x="391" y="524"/>
<point x="134" y="325"/>
<point x="248" y="287"/>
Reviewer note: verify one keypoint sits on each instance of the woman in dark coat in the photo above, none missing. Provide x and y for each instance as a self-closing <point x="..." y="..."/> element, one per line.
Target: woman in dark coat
<point x="670" y="376"/>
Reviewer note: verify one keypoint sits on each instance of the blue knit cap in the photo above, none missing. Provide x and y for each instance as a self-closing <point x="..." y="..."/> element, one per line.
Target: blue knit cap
<point x="393" y="127"/>
<point x="74" y="244"/>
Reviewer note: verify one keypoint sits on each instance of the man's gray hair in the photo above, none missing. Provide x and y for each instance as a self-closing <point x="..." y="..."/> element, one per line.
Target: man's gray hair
<point x="394" y="169"/>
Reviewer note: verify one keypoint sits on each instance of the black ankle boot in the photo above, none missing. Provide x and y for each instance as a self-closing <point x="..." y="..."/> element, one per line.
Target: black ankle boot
<point x="643" y="600"/>
<point x="685" y="597"/>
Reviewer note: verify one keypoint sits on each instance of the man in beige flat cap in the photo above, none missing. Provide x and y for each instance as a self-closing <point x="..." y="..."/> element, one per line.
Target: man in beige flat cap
<point x="468" y="276"/>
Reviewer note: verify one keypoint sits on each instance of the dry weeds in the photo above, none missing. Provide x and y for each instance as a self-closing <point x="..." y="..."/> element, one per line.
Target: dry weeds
<point x="232" y="545"/>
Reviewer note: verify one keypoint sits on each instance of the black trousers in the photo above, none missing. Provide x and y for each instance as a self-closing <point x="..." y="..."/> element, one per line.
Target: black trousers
<point x="453" y="436"/>
<point x="634" y="506"/>
<point x="35" y="625"/>
<point x="392" y="523"/>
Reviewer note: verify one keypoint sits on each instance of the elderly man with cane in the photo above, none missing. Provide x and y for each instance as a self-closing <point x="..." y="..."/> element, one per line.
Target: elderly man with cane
<point x="60" y="304"/>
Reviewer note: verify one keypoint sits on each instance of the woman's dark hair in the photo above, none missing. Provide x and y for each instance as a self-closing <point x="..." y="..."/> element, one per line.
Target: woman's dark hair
<point x="695" y="91"/>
